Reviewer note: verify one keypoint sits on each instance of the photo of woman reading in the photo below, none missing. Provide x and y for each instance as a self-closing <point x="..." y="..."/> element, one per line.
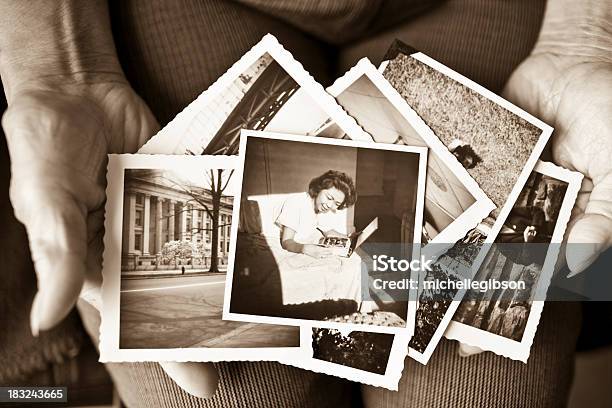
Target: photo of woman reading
<point x="301" y="247"/>
<point x="299" y="216"/>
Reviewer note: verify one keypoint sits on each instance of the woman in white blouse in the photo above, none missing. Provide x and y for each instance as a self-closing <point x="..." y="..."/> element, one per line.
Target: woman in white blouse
<point x="299" y="217"/>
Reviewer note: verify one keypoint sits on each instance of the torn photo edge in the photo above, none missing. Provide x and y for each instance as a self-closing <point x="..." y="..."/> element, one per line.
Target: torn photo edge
<point x="504" y="346"/>
<point x="110" y="350"/>
<point x="342" y="326"/>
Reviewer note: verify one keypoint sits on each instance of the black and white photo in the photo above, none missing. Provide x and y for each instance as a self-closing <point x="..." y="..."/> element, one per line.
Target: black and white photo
<point x="525" y="251"/>
<point x="454" y="203"/>
<point x="375" y="359"/>
<point x="496" y="142"/>
<point x="267" y="89"/>
<point x="166" y="250"/>
<point x="308" y="208"/>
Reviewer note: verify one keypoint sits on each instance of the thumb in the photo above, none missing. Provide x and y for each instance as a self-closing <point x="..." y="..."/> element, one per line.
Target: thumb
<point x="466" y="350"/>
<point x="198" y="379"/>
<point x="56" y="230"/>
<point x="591" y="234"/>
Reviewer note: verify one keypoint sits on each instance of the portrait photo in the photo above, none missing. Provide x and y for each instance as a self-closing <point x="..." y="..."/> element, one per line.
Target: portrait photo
<point x="310" y="211"/>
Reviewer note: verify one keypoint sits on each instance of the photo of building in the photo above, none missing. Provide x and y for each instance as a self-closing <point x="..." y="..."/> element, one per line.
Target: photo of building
<point x="163" y="220"/>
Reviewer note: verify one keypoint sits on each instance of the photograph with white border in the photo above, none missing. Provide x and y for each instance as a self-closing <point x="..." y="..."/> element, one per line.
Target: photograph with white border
<point x="267" y="89"/>
<point x="497" y="142"/>
<point x="166" y="247"/>
<point x="369" y="358"/>
<point x="454" y="203"/>
<point x="296" y="256"/>
<point x="505" y="321"/>
<point x="251" y="94"/>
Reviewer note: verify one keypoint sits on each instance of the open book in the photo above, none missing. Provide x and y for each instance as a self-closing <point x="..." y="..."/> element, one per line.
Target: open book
<point x="344" y="246"/>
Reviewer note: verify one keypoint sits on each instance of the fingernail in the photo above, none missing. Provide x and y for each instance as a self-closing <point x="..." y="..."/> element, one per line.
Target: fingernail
<point x="34" y="318"/>
<point x="581" y="257"/>
<point x="572" y="274"/>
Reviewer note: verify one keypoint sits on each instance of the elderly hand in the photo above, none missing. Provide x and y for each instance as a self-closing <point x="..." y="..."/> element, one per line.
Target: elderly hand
<point x="58" y="139"/>
<point x="566" y="82"/>
<point x="573" y="95"/>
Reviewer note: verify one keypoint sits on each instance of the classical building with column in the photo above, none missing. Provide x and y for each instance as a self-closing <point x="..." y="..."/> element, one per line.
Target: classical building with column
<point x="156" y="211"/>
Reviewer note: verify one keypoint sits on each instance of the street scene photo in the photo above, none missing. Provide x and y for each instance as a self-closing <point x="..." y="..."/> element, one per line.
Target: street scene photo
<point x="174" y="250"/>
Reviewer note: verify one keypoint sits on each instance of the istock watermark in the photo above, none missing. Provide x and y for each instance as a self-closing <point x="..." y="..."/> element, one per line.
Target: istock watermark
<point x="385" y="263"/>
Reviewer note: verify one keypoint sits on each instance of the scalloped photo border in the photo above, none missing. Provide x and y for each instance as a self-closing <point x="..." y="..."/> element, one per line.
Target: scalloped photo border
<point x="482" y="205"/>
<point x="546" y="132"/>
<point x="504" y="346"/>
<point x="421" y="154"/>
<point x="172" y="137"/>
<point x="389" y="380"/>
<point x="110" y="350"/>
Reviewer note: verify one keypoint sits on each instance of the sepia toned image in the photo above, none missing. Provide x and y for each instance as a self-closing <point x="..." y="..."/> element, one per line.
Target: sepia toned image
<point x="330" y="345"/>
<point x="370" y="358"/>
<point x="495" y="141"/>
<point x="175" y="245"/>
<point x="265" y="90"/>
<point x="454" y="202"/>
<point x="164" y="271"/>
<point x="309" y="209"/>
<point x="525" y="251"/>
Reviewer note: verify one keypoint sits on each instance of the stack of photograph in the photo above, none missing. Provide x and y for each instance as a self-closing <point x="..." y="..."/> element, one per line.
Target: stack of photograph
<point x="250" y="228"/>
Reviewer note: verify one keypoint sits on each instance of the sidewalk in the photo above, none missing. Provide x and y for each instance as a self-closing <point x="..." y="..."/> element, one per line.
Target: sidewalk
<point x="171" y="273"/>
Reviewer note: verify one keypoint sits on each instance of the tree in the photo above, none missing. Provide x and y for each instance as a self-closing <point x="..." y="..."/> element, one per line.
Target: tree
<point x="217" y="187"/>
<point x="175" y="250"/>
<point x="210" y="200"/>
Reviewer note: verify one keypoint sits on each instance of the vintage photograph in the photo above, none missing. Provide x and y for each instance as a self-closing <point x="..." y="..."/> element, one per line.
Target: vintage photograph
<point x="166" y="253"/>
<point x="432" y="313"/>
<point x="308" y="210"/>
<point x="115" y="278"/>
<point x="525" y="250"/>
<point x="267" y="89"/>
<point x="370" y="358"/>
<point x="497" y="143"/>
<point x="454" y="203"/>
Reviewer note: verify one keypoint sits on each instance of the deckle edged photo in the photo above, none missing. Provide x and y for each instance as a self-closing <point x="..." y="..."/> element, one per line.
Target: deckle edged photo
<point x="454" y="203"/>
<point x="525" y="251"/>
<point x="369" y="358"/>
<point x="312" y="211"/>
<point x="167" y="246"/>
<point x="267" y="89"/>
<point x="495" y="141"/>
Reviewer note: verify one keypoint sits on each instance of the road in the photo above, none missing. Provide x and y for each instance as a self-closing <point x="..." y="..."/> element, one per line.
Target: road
<point x="185" y="311"/>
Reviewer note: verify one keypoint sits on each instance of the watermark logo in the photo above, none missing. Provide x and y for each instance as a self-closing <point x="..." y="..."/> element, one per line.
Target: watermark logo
<point x="385" y="263"/>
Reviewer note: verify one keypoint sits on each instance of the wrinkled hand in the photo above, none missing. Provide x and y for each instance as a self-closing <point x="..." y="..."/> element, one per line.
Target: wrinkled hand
<point x="316" y="251"/>
<point x="58" y="140"/>
<point x="572" y="94"/>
